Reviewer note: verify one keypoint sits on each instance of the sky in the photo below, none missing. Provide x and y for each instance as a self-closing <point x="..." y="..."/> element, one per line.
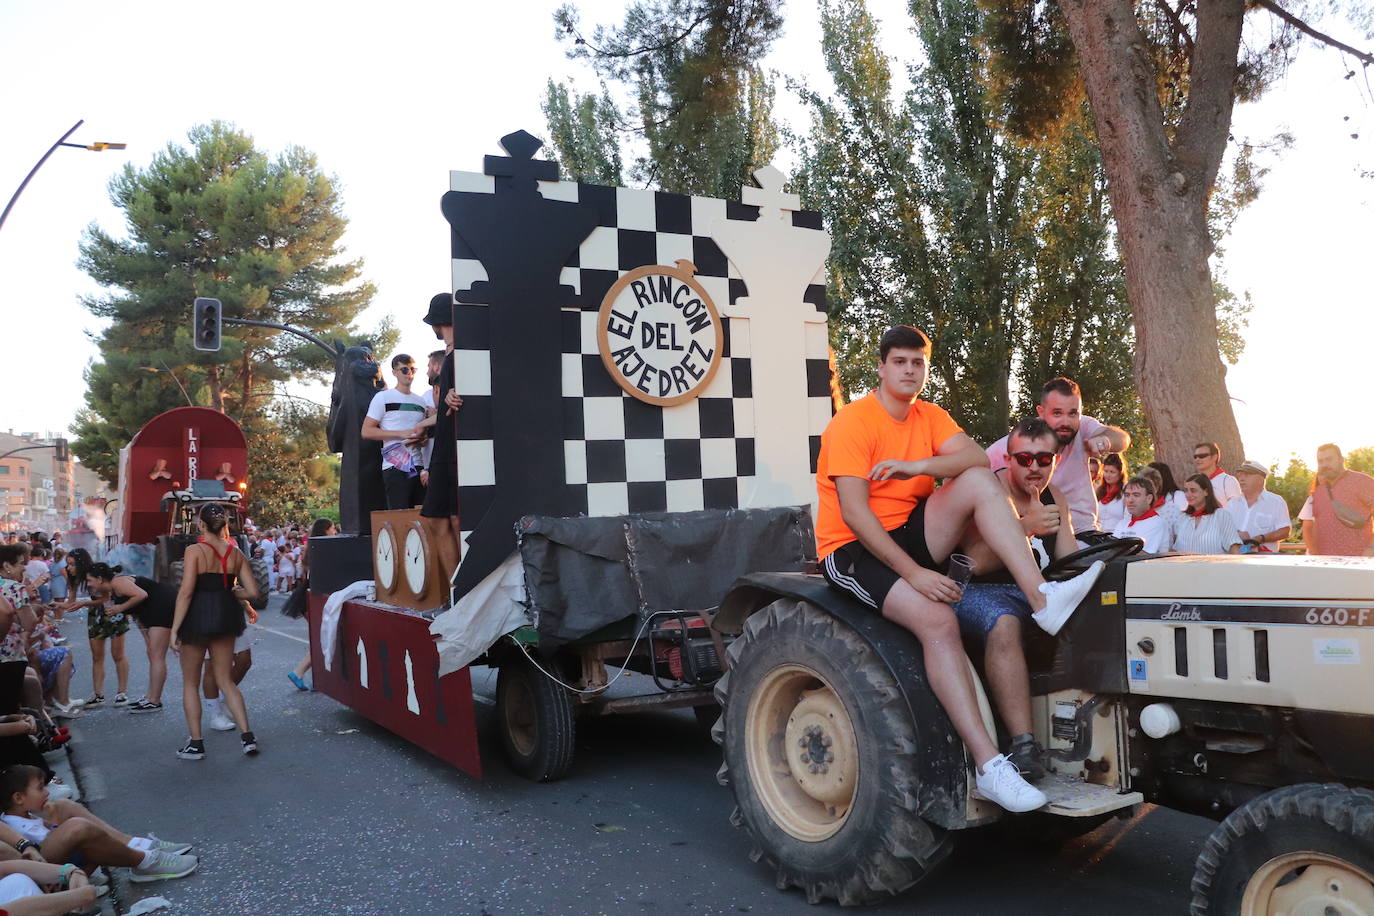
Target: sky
<point x="392" y="97"/>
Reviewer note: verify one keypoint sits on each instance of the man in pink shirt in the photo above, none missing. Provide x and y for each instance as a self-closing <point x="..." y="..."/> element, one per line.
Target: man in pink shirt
<point x="1080" y="437"/>
<point x="1341" y="507"/>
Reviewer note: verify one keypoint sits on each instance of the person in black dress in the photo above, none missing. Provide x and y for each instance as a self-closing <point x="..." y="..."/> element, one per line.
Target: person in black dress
<point x="152" y="605"/>
<point x="209" y="616"/>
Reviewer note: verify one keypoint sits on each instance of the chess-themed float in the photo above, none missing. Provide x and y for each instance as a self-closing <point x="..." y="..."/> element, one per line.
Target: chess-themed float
<point x="645" y="378"/>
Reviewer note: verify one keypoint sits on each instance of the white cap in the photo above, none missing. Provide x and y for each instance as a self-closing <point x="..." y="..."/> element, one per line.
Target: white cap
<point x="1254" y="467"/>
<point x="1158" y="720"/>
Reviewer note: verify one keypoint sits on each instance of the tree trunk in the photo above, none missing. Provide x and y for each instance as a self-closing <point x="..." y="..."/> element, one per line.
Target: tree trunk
<point x="1159" y="192"/>
<point x="216" y="380"/>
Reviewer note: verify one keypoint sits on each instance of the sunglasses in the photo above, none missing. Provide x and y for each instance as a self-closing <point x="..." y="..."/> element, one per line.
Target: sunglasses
<point x="1042" y="459"/>
<point x="1199" y="457"/>
<point x="406" y="370"/>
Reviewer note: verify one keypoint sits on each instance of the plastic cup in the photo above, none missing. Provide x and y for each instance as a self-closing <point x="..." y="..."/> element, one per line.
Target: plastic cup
<point x="960" y="569"/>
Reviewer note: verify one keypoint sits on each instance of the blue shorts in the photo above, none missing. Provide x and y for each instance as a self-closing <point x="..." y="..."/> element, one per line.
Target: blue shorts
<point x="984" y="602"/>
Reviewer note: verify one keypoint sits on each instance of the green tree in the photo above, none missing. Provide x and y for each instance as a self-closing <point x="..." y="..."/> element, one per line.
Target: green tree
<point x="1162" y="80"/>
<point x="583" y="130"/>
<point x="219" y="218"/>
<point x="702" y="106"/>
<point x="1003" y="253"/>
<point x="295" y="479"/>
<point x="1294" y="484"/>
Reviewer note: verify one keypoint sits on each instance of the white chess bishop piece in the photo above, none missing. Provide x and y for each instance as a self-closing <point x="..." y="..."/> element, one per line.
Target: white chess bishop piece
<point x="777" y="261"/>
<point x="412" y="703"/>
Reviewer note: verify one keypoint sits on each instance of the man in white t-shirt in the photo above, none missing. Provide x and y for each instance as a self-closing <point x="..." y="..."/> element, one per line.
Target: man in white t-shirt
<point x="1080" y="437"/>
<point x="1142" y="521"/>
<point x="1207" y="458"/>
<point x="1261" y="517"/>
<point x="391" y="419"/>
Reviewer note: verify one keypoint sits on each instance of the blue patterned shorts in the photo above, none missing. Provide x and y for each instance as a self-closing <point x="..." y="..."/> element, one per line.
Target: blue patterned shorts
<point x="984" y="602"/>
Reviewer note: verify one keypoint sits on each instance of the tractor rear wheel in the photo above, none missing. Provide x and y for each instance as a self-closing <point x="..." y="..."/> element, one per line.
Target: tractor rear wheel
<point x="535" y="717"/>
<point x="821" y="753"/>
<point x="1301" y="849"/>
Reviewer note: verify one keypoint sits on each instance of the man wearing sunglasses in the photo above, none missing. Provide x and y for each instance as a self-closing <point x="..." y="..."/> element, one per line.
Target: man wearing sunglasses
<point x="392" y="418"/>
<point x="993" y="609"/>
<point x="1080" y="437"/>
<point x="1207" y="460"/>
<point x="884" y="534"/>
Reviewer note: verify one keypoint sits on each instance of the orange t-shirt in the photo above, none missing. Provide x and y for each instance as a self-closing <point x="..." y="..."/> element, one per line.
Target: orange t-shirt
<point x="858" y="437"/>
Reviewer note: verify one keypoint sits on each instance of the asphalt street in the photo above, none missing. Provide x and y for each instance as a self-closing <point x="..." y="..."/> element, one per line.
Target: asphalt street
<point x="336" y="815"/>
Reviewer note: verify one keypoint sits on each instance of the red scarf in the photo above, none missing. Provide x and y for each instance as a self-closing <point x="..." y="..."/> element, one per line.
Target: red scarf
<point x="1215" y="474"/>
<point x="1157" y="503"/>
<point x="1196" y="513"/>
<point x="1113" y="489"/>
<point x="1140" y="518"/>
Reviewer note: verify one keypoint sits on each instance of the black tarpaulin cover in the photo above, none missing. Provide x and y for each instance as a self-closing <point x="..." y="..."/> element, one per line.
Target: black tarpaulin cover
<point x="584" y="573"/>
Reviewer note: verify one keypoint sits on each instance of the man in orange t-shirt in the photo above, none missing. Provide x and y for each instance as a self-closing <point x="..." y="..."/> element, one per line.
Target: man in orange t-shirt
<point x="884" y="533"/>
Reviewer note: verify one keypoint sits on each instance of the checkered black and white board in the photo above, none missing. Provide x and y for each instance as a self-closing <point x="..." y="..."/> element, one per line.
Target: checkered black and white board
<point x="623" y="455"/>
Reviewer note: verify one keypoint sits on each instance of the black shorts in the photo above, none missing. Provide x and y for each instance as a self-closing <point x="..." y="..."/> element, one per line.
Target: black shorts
<point x="853" y="569"/>
<point x="441" y="496"/>
<point x="402" y="490"/>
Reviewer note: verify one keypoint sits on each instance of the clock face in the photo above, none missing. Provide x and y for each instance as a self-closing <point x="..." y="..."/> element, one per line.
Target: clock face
<point x="385" y="556"/>
<point x="415" y="562"/>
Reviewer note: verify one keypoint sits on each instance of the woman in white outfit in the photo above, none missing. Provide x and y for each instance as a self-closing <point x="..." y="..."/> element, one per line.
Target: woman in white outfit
<point x="1111" y="505"/>
<point x="1202" y="529"/>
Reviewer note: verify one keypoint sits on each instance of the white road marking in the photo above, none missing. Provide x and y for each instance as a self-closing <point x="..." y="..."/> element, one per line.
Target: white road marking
<point x="280" y="633"/>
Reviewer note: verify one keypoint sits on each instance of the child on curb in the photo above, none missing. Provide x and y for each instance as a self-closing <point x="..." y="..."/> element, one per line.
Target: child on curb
<point x="64" y="831"/>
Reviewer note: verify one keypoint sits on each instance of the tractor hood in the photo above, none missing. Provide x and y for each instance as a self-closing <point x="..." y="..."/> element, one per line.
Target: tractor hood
<point x="1298" y="578"/>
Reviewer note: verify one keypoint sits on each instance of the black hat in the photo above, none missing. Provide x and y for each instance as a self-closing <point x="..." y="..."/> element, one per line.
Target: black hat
<point x="440" y="310"/>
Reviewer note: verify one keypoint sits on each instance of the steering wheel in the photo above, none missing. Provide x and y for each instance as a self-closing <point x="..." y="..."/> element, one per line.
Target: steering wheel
<point x="1105" y="550"/>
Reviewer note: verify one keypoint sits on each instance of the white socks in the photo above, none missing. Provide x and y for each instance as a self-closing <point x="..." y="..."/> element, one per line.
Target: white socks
<point x="140" y="844"/>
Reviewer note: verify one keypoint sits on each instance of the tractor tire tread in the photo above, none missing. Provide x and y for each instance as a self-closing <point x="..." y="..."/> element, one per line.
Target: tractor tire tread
<point x="907" y="847"/>
<point x="1347" y="812"/>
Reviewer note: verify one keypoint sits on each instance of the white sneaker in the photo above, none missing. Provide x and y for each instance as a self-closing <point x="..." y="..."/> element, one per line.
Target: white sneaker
<point x="163" y="866"/>
<point x="1062" y="598"/>
<point x="1001" y="783"/>
<point x="219" y="721"/>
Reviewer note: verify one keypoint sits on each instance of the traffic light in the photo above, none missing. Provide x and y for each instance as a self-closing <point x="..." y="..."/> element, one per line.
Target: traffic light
<point x="59" y="449"/>
<point x="207" y="324"/>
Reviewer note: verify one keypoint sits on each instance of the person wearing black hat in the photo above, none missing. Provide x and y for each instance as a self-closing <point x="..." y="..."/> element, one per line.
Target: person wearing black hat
<point x="440" y="510"/>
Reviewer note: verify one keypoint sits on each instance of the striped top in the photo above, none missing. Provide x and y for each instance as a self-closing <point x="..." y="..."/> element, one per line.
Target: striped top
<point x="1215" y="533"/>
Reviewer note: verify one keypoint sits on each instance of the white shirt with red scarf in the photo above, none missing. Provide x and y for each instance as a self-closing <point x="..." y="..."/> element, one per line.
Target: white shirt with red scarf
<point x="1150" y="528"/>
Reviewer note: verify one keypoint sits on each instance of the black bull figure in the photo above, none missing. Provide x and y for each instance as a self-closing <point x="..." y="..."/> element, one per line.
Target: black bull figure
<point x="357" y="377"/>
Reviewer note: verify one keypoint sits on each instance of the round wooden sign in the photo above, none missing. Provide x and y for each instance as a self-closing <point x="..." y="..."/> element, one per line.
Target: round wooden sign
<point x="660" y="335"/>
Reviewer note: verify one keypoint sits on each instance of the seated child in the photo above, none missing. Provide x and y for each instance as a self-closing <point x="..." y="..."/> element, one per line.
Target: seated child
<point x="22" y="895"/>
<point x="64" y="831"/>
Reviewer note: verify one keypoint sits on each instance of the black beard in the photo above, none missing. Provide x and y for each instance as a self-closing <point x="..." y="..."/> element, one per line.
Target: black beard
<point x="433" y="380"/>
<point x="1063" y="441"/>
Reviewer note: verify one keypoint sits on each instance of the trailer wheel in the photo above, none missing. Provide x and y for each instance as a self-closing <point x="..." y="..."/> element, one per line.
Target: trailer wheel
<point x="535" y="718"/>
<point x="1301" y="849"/>
<point x="821" y="753"/>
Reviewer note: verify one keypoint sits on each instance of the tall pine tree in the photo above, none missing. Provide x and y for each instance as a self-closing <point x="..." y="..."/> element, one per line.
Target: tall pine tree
<point x="218" y="218"/>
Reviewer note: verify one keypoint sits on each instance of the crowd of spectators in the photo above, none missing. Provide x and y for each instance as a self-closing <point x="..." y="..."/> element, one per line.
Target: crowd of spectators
<point x="51" y="848"/>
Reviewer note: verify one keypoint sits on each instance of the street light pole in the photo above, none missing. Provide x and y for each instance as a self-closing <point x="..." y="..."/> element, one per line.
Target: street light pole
<point x="61" y="141"/>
